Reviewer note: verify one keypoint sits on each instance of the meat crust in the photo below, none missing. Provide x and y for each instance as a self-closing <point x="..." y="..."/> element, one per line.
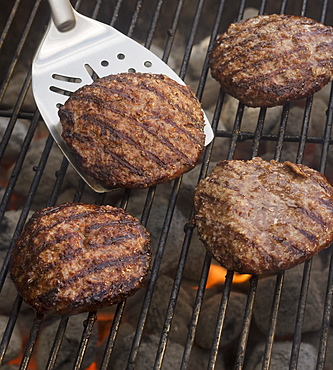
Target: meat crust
<point x="257" y="217"/>
<point x="134" y="130"/>
<point x="272" y="59"/>
<point x="79" y="258"/>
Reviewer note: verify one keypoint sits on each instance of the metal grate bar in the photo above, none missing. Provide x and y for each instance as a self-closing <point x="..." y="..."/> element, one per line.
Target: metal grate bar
<point x="324" y="11"/>
<point x="327" y="133"/>
<point x="153" y="24"/>
<point x="221" y="318"/>
<point x="282" y="130"/>
<point x="19" y="227"/>
<point x="19" y="48"/>
<point x="10" y="327"/>
<point x="326" y="320"/>
<point x="9" y="22"/>
<point x="14" y="115"/>
<point x="273" y="321"/>
<point x="116" y="12"/>
<point x="305" y="127"/>
<point x="195" y="313"/>
<point x="173" y="299"/>
<point x="258" y="132"/>
<point x="213" y="35"/>
<point x="57" y="343"/>
<point x="240" y="356"/>
<point x="112" y="336"/>
<point x="171" y="32"/>
<point x="31" y="342"/>
<point x="88" y="327"/>
<point x="9" y="190"/>
<point x="190" y="41"/>
<point x="154" y="274"/>
<point x="300" y="314"/>
<point x="134" y="18"/>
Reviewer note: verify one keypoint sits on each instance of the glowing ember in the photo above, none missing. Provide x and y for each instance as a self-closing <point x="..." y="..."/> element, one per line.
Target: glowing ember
<point x="217" y="275"/>
<point x="93" y="366"/>
<point x="104" y="321"/>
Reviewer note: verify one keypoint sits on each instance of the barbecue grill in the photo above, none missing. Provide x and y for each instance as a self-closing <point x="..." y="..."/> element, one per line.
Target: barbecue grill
<point x="177" y="30"/>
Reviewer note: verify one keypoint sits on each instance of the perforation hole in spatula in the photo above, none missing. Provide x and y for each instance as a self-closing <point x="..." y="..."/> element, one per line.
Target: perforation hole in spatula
<point x="92" y="73"/>
<point x="59" y="90"/>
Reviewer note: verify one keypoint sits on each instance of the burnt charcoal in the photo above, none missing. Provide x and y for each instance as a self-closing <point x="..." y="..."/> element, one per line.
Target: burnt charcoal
<point x="233" y="321"/>
<point x="281" y="356"/>
<point x="147" y="353"/>
<point x="313" y="338"/>
<point x="250" y="116"/>
<point x="155" y="223"/>
<point x="46" y="185"/>
<point x="15" y="344"/>
<point x="69" y="345"/>
<point x="16" y="140"/>
<point x="8" y="226"/>
<point x="289" y="302"/>
<point x="158" y="307"/>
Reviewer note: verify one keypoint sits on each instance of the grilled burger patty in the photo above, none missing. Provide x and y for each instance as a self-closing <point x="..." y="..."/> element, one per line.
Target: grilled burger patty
<point x="257" y="216"/>
<point x="134" y="130"/>
<point x="79" y="258"/>
<point x="272" y="59"/>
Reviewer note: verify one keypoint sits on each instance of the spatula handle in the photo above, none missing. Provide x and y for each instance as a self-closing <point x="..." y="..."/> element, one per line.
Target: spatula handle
<point x="62" y="14"/>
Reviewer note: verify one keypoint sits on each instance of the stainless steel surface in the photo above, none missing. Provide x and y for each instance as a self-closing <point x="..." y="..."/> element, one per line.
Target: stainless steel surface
<point x="70" y="58"/>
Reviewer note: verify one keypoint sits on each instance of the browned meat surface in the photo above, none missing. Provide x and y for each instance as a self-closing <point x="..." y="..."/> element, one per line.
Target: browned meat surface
<point x="272" y="59"/>
<point x="257" y="216"/>
<point x="134" y="130"/>
<point x="79" y="257"/>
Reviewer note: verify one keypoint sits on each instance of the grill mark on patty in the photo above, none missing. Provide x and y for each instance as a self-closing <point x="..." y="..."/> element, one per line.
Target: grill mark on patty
<point x="256" y="63"/>
<point x="119" y="263"/>
<point x="253" y="31"/>
<point x="166" y="96"/>
<point x="78" y="237"/>
<point x="264" y="250"/>
<point x="313" y="216"/>
<point x="177" y="116"/>
<point x="123" y="136"/>
<point x="166" y="116"/>
<point x="310" y="236"/>
<point x="76" y="217"/>
<point x="83" y="232"/>
<point x="244" y="45"/>
<point x="137" y="144"/>
<point x="82" y="215"/>
<point x="302" y="223"/>
<point x="107" y="250"/>
<point x="104" y="265"/>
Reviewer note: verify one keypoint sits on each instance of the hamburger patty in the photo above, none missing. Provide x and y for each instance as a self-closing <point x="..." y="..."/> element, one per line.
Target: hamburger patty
<point x="134" y="130"/>
<point x="272" y="59"/>
<point x="79" y="258"/>
<point x="257" y="216"/>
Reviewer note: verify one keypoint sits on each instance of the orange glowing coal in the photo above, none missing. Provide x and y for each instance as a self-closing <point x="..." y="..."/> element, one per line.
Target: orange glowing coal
<point x="93" y="366"/>
<point x="217" y="274"/>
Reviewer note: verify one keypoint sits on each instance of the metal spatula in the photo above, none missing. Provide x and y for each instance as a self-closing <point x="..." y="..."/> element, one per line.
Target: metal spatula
<point x="76" y="50"/>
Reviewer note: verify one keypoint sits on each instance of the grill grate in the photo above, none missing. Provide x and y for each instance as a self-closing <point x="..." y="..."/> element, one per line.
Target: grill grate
<point x="22" y="24"/>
